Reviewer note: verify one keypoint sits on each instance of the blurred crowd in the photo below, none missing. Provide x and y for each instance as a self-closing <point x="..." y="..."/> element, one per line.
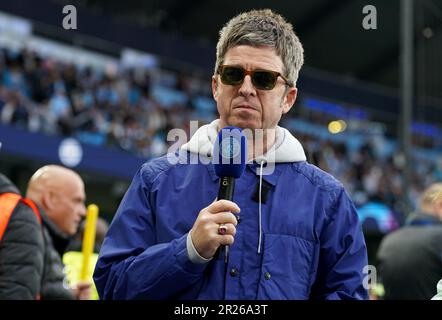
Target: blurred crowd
<point x="101" y="107"/>
<point x="117" y="109"/>
<point x="369" y="177"/>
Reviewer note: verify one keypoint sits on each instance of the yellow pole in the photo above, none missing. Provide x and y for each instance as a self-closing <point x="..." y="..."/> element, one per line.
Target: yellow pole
<point x="88" y="239"/>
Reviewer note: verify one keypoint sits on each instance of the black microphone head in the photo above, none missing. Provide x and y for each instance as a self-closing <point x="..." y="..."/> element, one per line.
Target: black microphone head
<point x="230" y="152"/>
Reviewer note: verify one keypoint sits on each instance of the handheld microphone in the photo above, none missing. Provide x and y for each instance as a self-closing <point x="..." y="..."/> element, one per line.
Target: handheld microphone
<point x="229" y="161"/>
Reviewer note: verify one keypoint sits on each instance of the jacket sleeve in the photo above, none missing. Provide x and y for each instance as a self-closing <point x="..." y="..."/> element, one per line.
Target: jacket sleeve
<point x="21" y="256"/>
<point x="343" y="255"/>
<point x="131" y="263"/>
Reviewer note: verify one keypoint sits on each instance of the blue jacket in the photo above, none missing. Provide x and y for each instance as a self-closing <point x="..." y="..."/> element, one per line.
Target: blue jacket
<point x="311" y="242"/>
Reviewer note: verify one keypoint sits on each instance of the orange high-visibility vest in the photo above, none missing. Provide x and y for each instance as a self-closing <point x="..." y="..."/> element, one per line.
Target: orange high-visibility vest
<point x="8" y="202"/>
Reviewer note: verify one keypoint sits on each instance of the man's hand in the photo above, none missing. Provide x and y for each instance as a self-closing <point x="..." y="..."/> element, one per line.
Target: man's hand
<point x="204" y="233"/>
<point x="82" y="290"/>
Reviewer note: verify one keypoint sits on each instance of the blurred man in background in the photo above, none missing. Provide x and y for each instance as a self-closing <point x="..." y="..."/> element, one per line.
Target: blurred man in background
<point x="21" y="245"/>
<point x="410" y="259"/>
<point x="60" y="196"/>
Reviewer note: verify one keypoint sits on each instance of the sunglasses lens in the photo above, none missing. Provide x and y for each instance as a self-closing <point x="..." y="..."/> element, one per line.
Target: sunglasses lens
<point x="264" y="80"/>
<point x="232" y="75"/>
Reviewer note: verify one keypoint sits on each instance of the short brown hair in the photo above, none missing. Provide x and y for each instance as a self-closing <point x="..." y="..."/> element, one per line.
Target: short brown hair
<point x="430" y="195"/>
<point x="263" y="28"/>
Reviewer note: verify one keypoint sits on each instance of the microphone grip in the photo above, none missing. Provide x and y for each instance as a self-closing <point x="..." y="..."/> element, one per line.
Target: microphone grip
<point x="226" y="189"/>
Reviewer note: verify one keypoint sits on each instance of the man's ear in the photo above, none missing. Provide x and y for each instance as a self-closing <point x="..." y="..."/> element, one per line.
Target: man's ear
<point x="48" y="200"/>
<point x="289" y="99"/>
<point x="214" y="87"/>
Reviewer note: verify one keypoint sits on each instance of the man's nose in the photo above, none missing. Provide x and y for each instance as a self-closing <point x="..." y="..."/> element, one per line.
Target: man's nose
<point x="247" y="88"/>
<point x="83" y="210"/>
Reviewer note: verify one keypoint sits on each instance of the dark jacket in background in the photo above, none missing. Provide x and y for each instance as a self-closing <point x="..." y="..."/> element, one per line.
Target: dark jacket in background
<point x="21" y="251"/>
<point x="54" y="285"/>
<point x="410" y="259"/>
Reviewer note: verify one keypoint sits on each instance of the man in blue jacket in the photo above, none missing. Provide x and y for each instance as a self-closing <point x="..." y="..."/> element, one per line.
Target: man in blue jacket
<point x="297" y="235"/>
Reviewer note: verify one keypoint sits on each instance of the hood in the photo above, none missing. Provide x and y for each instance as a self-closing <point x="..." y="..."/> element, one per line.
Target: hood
<point x="285" y="149"/>
<point x="7" y="186"/>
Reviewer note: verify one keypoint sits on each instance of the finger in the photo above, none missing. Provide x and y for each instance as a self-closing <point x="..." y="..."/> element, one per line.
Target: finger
<point x="226" y="240"/>
<point x="207" y="208"/>
<point x="229" y="229"/>
<point x="224" y="217"/>
<point x="223" y="205"/>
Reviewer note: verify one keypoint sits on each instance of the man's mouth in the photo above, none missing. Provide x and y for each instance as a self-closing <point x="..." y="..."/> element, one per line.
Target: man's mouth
<point x="244" y="106"/>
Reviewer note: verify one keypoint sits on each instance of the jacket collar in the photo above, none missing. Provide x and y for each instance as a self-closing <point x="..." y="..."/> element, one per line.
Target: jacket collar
<point x="423" y="219"/>
<point x="271" y="178"/>
<point x="59" y="239"/>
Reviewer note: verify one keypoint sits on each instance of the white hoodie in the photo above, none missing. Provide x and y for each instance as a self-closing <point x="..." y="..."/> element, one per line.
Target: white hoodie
<point x="285" y="149"/>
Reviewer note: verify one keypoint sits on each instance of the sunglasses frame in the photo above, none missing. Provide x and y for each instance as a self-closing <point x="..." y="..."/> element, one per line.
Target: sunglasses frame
<point x="251" y="73"/>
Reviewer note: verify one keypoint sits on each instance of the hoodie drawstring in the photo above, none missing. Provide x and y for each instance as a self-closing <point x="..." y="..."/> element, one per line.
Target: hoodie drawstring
<point x="260" y="211"/>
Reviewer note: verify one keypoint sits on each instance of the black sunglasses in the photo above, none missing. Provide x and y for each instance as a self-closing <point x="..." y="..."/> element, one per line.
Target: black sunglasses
<point x="261" y="79"/>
